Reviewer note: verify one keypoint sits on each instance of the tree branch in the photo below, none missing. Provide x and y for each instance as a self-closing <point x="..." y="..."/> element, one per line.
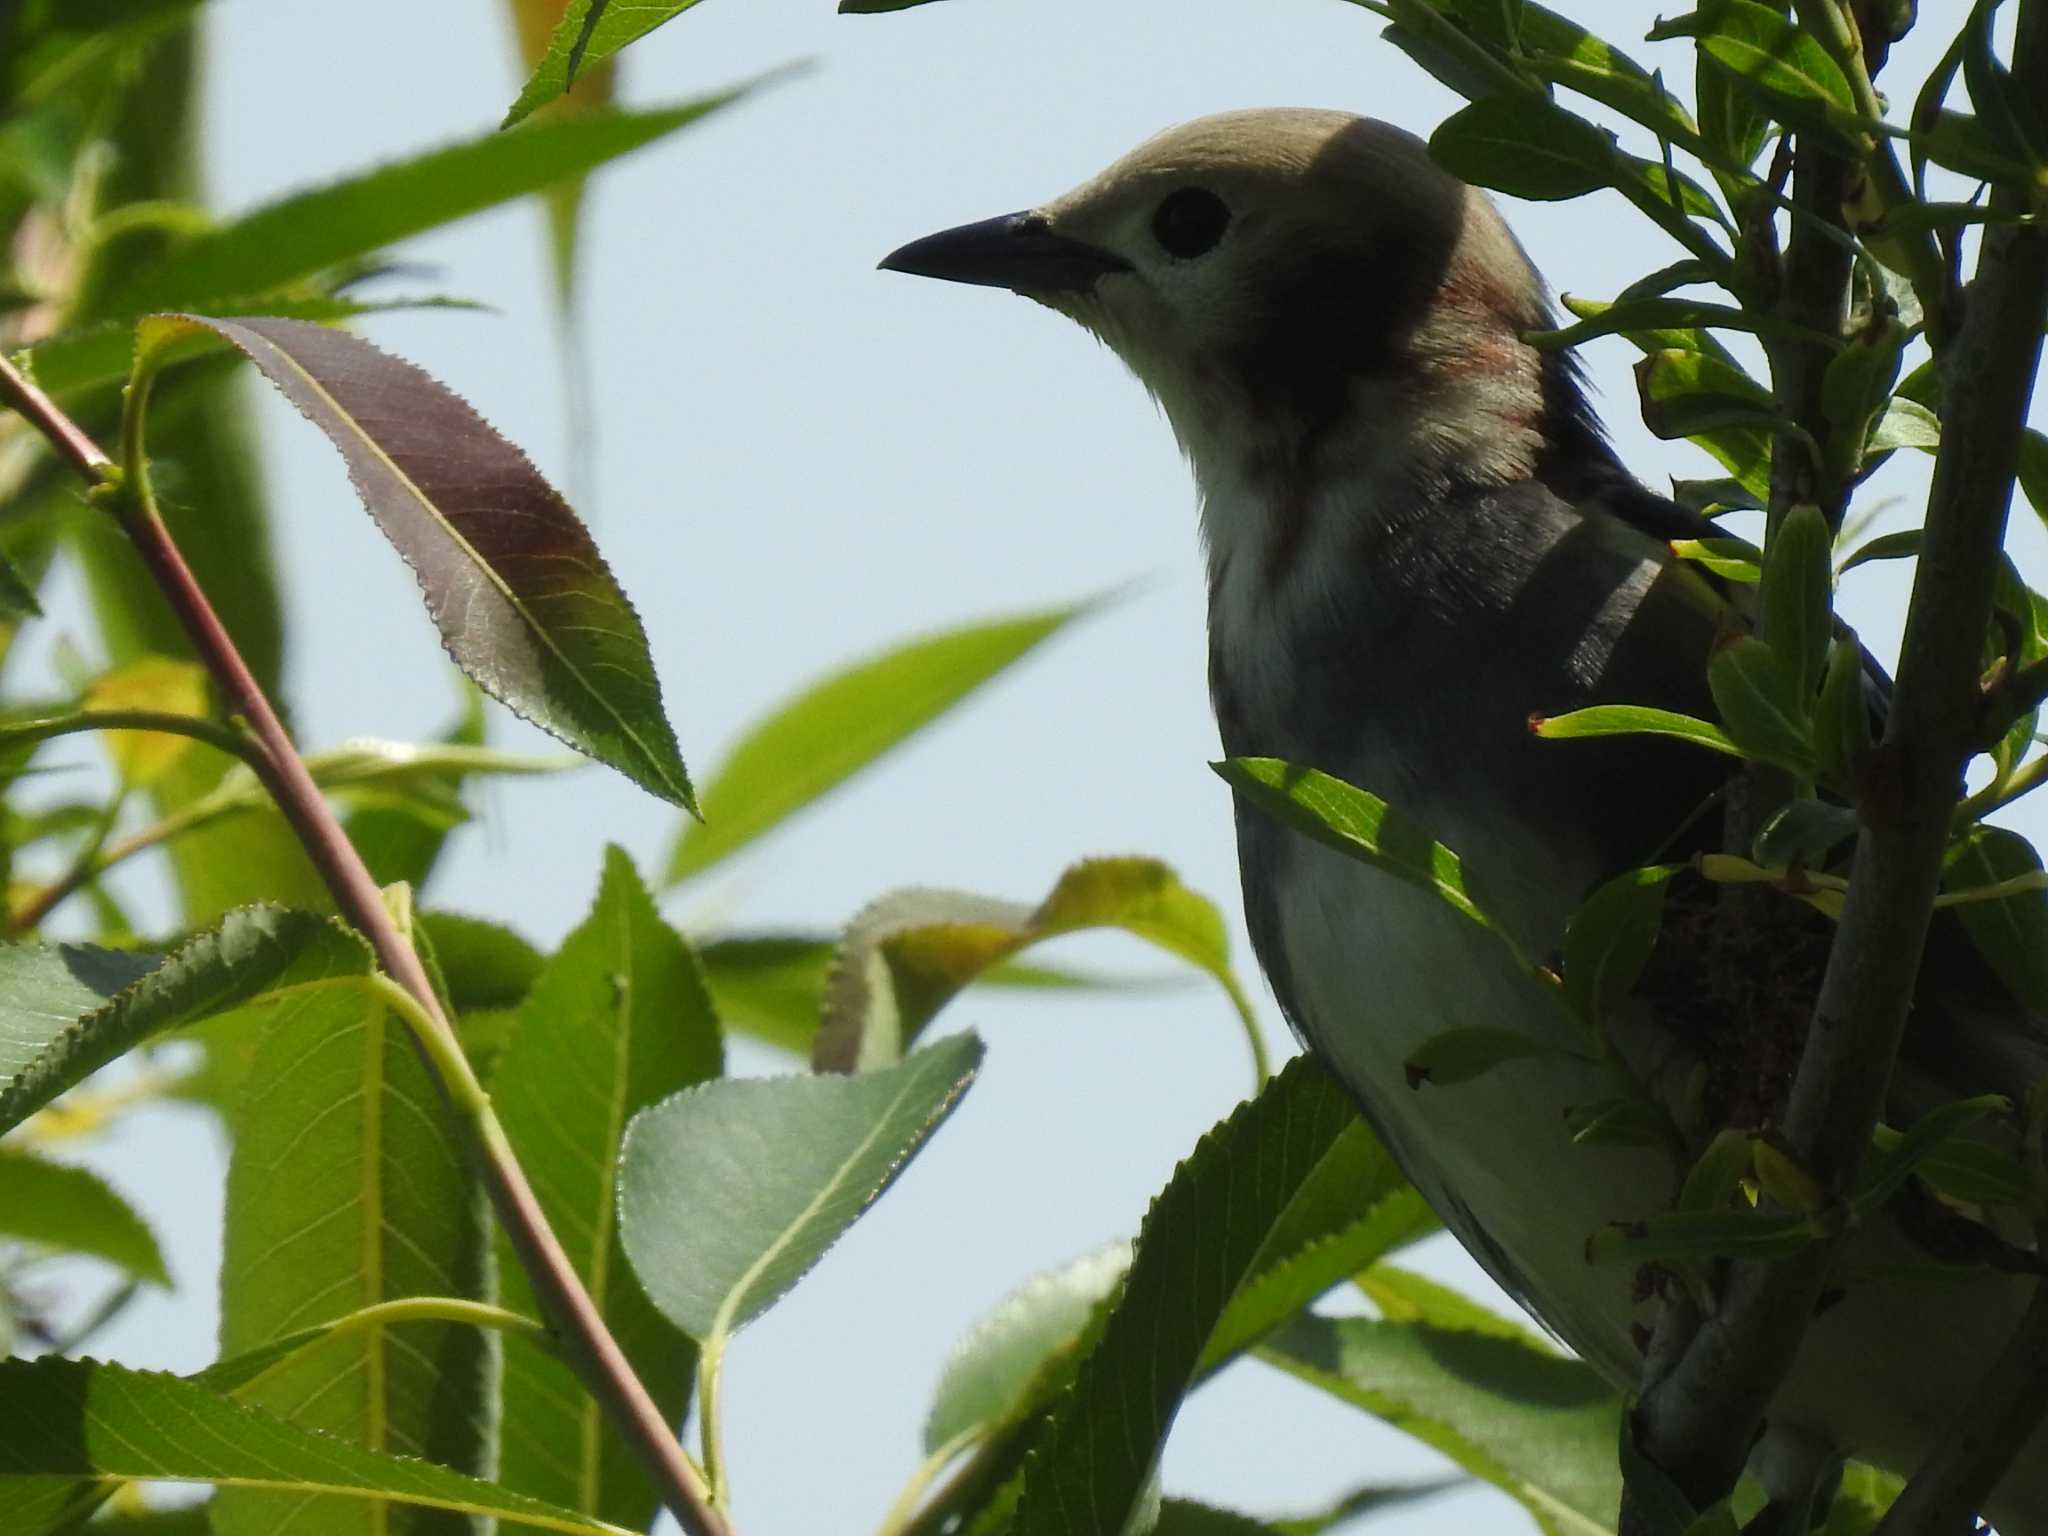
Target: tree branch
<point x="1697" y="1422"/>
<point x="589" y="1345"/>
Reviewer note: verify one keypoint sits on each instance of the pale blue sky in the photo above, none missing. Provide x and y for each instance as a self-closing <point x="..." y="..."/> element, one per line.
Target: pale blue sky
<point x="799" y="460"/>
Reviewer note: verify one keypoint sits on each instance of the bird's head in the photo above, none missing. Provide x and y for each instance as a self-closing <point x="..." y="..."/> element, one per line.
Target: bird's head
<point x="1281" y="279"/>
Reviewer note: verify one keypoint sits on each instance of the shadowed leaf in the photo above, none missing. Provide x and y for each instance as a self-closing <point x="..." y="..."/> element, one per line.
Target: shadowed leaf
<point x="1537" y="1426"/>
<point x="618" y="1019"/>
<point x="67" y="1425"/>
<point x="523" y="600"/>
<point x="71" y="1009"/>
<point x="73" y="1210"/>
<point x="730" y="1191"/>
<point x="1526" y="147"/>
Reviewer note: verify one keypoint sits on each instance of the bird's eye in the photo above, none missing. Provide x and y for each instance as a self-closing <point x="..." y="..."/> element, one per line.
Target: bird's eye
<point x="1190" y="222"/>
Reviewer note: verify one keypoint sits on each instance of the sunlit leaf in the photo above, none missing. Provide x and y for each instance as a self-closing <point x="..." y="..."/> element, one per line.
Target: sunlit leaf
<point x="2012" y="932"/>
<point x="589" y="32"/>
<point x="908" y="954"/>
<point x="810" y="744"/>
<point x="1757" y="696"/>
<point x="160" y="683"/>
<point x="1525" y="146"/>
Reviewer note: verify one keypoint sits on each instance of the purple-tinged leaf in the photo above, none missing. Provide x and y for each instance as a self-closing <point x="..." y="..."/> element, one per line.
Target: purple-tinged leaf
<point x="523" y="600"/>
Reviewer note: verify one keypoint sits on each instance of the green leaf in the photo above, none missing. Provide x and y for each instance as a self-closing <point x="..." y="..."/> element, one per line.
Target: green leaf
<point x="998" y="1372"/>
<point x="56" y="45"/>
<point x="1459" y="1055"/>
<point x="1092" y="1459"/>
<point x="534" y="23"/>
<point x="311" y="231"/>
<point x="17" y="596"/>
<point x="401" y="825"/>
<point x="73" y="1210"/>
<point x="1672" y="1236"/>
<point x="1731" y="559"/>
<point x="1632" y="720"/>
<point x="1562" y="51"/>
<point x="1795" y="599"/>
<point x="71" y="1009"/>
<point x="1353" y="822"/>
<point x="483" y="965"/>
<point x="1655" y="312"/>
<point x="2009" y="113"/>
<point x="67" y="1424"/>
<point x="1841" y="722"/>
<point x="1525" y="146"/>
<point x="1610" y="939"/>
<point x="1903" y="545"/>
<point x="617" y="1021"/>
<point x="908" y="954"/>
<point x="2033" y="471"/>
<point x="523" y="600"/>
<point x="1783" y="65"/>
<point x="1804" y="832"/>
<point x="814" y="742"/>
<point x="1402" y="1296"/>
<point x="349" y="1186"/>
<point x="1899" y="1158"/>
<point x="1758" y="697"/>
<point x="1905" y="424"/>
<point x="103" y="352"/>
<point x="730" y="1191"/>
<point x="2011" y="933"/>
<point x="1688" y="394"/>
<point x="1352" y="1210"/>
<point x="1539" y="1427"/>
<point x="589" y="32"/>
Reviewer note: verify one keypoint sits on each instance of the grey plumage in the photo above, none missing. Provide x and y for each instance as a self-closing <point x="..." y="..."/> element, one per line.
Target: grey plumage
<point x="1417" y="536"/>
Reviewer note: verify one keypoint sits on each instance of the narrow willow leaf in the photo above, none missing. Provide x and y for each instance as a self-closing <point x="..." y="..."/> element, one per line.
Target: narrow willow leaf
<point x="1610" y="939"/>
<point x="589" y="33"/>
<point x="1526" y="147"/>
<point x="317" y="229"/>
<point x="814" y="742"/>
<point x="73" y="1210"/>
<point x="66" y="1423"/>
<point x="1402" y="1296"/>
<point x="1842" y="729"/>
<point x="1354" y="822"/>
<point x="1459" y="1055"/>
<point x="1092" y="1458"/>
<point x="908" y="954"/>
<point x="345" y="1119"/>
<point x="1631" y="720"/>
<point x="2010" y="113"/>
<point x="1903" y="545"/>
<point x="1782" y="64"/>
<point x="71" y="1009"/>
<point x="771" y="986"/>
<point x="103" y="352"/>
<point x="1539" y="1427"/>
<point x="998" y="1372"/>
<point x="1730" y="559"/>
<point x="1686" y="394"/>
<point x="730" y="1191"/>
<point x="1673" y="1236"/>
<point x="1659" y="312"/>
<point x="1756" y="694"/>
<point x="619" y="1019"/>
<point x="2012" y="932"/>
<point x="523" y="600"/>
<point x="1795" y="599"/>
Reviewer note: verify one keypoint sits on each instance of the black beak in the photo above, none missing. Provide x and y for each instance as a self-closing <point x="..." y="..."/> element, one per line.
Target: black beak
<point x="1018" y="251"/>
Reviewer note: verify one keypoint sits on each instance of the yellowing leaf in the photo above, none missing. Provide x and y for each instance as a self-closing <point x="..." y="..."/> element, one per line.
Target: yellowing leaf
<point x="159" y="683"/>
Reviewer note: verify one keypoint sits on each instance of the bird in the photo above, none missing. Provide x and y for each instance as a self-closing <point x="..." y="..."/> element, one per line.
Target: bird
<point x="1417" y="536"/>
